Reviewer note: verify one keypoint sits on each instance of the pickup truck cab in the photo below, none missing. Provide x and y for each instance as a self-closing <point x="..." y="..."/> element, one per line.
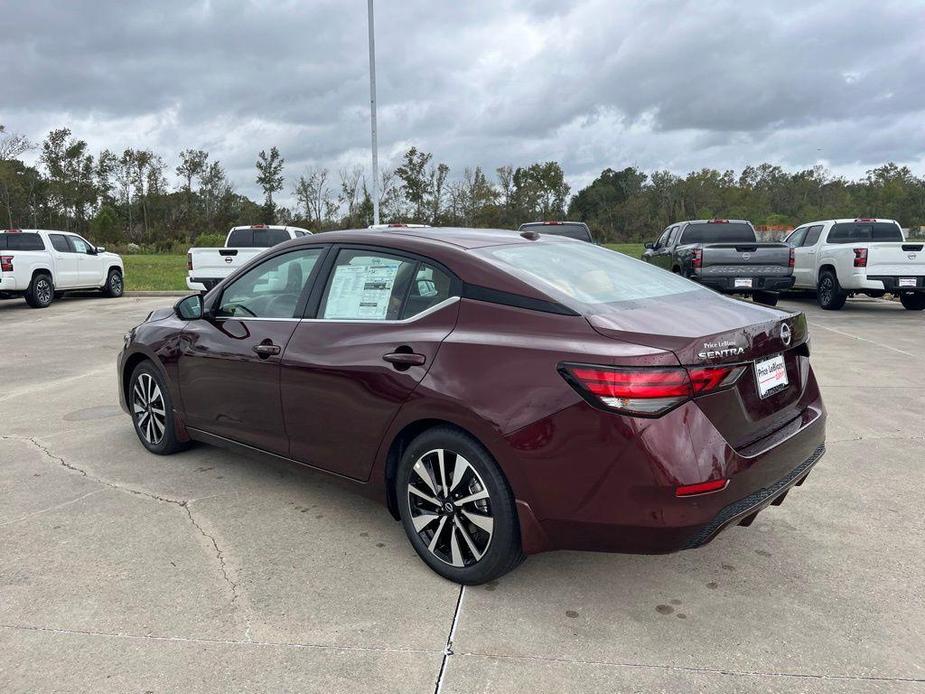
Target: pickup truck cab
<point x="206" y="267"/>
<point x="725" y="255"/>
<point x="841" y="257"/>
<point x="41" y="265"/>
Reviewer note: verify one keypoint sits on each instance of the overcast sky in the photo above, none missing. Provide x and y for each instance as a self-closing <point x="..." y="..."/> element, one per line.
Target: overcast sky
<point x="589" y="83"/>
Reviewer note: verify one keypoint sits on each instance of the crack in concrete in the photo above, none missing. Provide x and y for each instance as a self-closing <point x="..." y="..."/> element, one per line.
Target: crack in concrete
<point x="182" y="503"/>
<point x="690" y="668"/>
<point x="448" y="648"/>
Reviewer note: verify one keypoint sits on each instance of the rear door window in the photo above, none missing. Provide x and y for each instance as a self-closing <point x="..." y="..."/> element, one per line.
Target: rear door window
<point x="370" y="286"/>
<point x="796" y="238"/>
<point x="812" y="235"/>
<point x="718" y="232"/>
<point x="859" y="232"/>
<point x="59" y="243"/>
<point x="21" y="242"/>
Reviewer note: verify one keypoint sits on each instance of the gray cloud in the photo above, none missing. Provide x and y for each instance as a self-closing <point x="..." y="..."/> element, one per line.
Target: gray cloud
<point x="591" y="83"/>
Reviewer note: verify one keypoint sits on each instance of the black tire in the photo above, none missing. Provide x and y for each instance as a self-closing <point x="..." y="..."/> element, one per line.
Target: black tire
<point x="41" y="291"/>
<point x="157" y="432"/>
<point x="483" y="551"/>
<point x="829" y="293"/>
<point x="114" y="286"/>
<point x="913" y="302"/>
<point x="766" y="298"/>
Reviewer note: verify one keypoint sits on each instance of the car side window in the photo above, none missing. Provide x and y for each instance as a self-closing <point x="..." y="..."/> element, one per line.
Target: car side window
<point x="59" y="243"/>
<point x="662" y="240"/>
<point x="796" y="238"/>
<point x="78" y="245"/>
<point x="812" y="235"/>
<point x="672" y="236"/>
<point x="429" y="288"/>
<point x="369" y="286"/>
<point x="272" y="289"/>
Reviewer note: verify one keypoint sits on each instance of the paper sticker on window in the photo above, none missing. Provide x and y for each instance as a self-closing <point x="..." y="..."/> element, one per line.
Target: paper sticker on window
<point x="362" y="292"/>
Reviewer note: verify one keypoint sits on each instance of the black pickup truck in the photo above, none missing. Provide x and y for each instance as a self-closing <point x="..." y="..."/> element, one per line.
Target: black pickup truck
<point x="725" y="255"/>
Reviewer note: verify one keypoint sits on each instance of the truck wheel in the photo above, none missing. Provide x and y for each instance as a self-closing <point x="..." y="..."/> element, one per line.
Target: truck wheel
<point x="41" y="291"/>
<point x="114" y="286"/>
<point x="913" y="302"/>
<point x="766" y="298"/>
<point x="829" y="293"/>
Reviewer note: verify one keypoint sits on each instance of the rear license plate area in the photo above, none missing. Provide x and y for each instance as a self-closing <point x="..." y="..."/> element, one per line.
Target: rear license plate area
<point x="771" y="375"/>
<point x="907" y="281"/>
<point x="742" y="283"/>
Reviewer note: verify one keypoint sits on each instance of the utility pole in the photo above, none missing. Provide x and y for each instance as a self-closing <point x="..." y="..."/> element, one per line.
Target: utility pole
<point x="372" y="111"/>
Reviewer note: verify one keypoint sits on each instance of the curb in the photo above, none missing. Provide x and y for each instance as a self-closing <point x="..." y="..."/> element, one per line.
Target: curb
<point x="153" y="293"/>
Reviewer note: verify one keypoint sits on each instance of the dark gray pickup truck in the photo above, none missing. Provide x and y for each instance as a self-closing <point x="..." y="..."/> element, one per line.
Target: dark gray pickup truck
<point x="725" y="255"/>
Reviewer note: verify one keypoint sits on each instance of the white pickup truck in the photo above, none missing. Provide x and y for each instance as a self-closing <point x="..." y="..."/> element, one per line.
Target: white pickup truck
<point x="206" y="267"/>
<point x="841" y="257"/>
<point x="41" y="265"/>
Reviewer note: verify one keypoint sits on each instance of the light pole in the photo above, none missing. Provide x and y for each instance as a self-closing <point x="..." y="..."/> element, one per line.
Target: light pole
<point x="372" y="111"/>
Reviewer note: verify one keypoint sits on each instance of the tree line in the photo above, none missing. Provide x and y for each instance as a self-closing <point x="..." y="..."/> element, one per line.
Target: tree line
<point x="119" y="198"/>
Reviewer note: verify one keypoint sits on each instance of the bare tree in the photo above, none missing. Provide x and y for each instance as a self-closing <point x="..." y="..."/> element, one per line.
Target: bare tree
<point x="351" y="185"/>
<point x="314" y="195"/>
<point x="12" y="146"/>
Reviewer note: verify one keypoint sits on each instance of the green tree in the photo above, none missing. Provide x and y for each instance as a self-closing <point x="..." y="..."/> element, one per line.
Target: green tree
<point x="270" y="179"/>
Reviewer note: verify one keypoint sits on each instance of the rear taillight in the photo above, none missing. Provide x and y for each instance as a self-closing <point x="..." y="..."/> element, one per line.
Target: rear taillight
<point x="793" y="259"/>
<point x="646" y="392"/>
<point x="6" y="263"/>
<point x="189" y="262"/>
<point x="697" y="259"/>
<point x="860" y="257"/>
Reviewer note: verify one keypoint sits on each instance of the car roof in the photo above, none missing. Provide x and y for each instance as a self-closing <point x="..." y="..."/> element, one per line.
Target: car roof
<point x="459" y="237"/>
<point x="552" y="223"/>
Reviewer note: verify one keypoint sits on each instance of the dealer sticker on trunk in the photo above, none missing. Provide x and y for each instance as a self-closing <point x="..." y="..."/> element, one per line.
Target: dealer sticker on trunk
<point x="907" y="281"/>
<point x="771" y="375"/>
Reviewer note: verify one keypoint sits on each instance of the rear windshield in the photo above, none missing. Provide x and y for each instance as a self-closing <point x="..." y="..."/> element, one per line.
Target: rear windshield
<point x="21" y="242"/>
<point x="853" y="232"/>
<point x="720" y="232"/>
<point x="585" y="273"/>
<point x="256" y="238"/>
<point x="571" y="231"/>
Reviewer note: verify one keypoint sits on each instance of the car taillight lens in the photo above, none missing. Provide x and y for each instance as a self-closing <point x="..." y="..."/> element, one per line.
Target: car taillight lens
<point x="189" y="262"/>
<point x="697" y="260"/>
<point x="6" y="263"/>
<point x="793" y="258"/>
<point x="860" y="257"/>
<point x="646" y="391"/>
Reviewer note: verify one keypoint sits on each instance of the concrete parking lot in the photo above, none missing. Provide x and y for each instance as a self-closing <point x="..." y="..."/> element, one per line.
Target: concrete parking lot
<point x="210" y="571"/>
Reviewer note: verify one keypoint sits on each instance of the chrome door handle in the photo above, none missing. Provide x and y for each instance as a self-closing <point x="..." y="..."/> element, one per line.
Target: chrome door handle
<point x="405" y="359"/>
<point x="266" y="349"/>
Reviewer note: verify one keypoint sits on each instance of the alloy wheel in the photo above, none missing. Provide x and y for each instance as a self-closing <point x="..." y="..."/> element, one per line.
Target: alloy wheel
<point x="115" y="283"/>
<point x="43" y="291"/>
<point x="825" y="289"/>
<point x="450" y="507"/>
<point x="148" y="409"/>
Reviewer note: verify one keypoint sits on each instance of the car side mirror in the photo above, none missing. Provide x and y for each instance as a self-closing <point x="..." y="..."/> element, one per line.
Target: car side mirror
<point x="190" y="308"/>
<point x="650" y="246"/>
<point x="100" y="249"/>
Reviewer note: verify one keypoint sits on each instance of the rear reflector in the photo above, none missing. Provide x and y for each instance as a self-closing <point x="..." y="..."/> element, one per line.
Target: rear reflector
<point x="701" y="488"/>
<point x="860" y="257"/>
<point x="647" y="391"/>
<point x="6" y="263"/>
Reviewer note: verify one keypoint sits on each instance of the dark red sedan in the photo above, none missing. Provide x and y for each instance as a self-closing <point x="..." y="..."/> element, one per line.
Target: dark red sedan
<point x="503" y="393"/>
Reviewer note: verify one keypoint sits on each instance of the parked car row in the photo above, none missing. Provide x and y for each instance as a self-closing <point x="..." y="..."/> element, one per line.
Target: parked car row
<point x="836" y="258"/>
<point x="41" y="265"/>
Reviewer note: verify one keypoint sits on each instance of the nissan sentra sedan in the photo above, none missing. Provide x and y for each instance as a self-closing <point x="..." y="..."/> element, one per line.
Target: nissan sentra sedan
<point x="503" y="394"/>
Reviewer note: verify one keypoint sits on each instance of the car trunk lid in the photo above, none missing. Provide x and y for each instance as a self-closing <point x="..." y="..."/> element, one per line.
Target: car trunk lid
<point x="707" y="329"/>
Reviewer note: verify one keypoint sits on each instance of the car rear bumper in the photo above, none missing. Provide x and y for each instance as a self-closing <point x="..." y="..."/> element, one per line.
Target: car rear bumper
<point x="616" y="491"/>
<point x="759" y="284"/>
<point x="202" y="284"/>
<point x="891" y="283"/>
